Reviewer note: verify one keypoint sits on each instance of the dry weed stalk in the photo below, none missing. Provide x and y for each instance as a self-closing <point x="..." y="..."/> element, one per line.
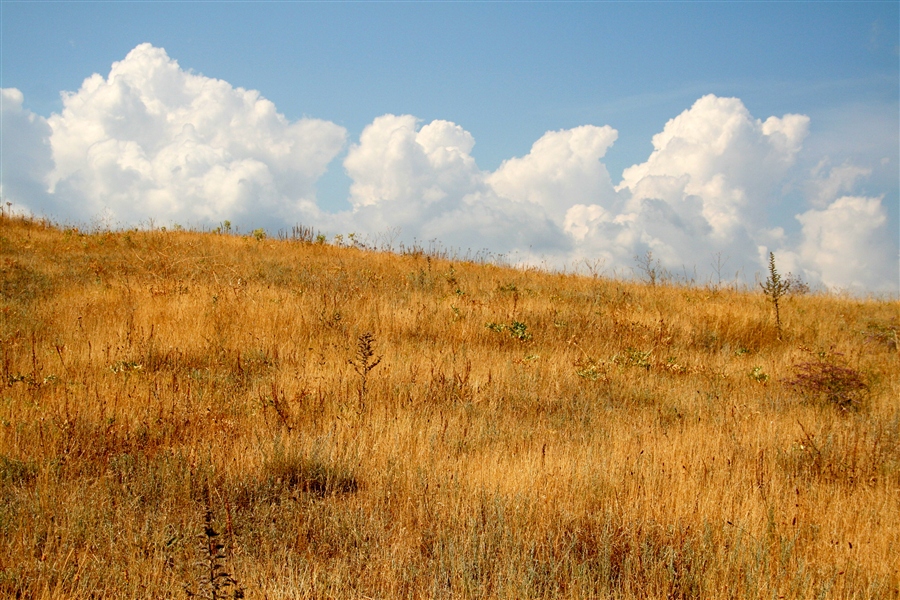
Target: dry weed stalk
<point x="214" y="582"/>
<point x="364" y="361"/>
<point x="775" y="288"/>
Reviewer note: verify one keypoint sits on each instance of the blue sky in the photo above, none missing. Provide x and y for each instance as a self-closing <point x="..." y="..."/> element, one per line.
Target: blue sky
<point x="507" y="74"/>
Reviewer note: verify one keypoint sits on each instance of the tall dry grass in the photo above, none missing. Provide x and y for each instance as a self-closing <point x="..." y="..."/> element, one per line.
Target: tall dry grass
<point x="179" y="405"/>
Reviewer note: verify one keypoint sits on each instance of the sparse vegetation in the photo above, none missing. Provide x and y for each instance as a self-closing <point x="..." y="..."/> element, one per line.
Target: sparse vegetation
<point x="652" y="269"/>
<point x="632" y="441"/>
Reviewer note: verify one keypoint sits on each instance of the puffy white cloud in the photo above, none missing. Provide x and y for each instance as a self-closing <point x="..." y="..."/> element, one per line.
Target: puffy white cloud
<point x="562" y="169"/>
<point x="153" y="141"/>
<point x="425" y="181"/>
<point x="843" y="242"/>
<point x="701" y="192"/>
<point x="26" y="154"/>
<point x="399" y="165"/>
<point x="845" y="245"/>
<point x="717" y="152"/>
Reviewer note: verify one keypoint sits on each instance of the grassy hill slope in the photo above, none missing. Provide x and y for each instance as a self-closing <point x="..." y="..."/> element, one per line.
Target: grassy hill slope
<point x="192" y="413"/>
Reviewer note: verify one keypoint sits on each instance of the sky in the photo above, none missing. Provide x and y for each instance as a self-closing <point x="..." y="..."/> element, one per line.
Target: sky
<point x="564" y="135"/>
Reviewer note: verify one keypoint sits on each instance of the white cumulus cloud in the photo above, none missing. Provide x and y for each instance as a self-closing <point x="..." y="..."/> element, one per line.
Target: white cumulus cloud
<point x="425" y="180"/>
<point x="27" y="158"/>
<point x="719" y="154"/>
<point x="702" y="192"/>
<point x="397" y="164"/>
<point x="846" y="246"/>
<point x="563" y="169"/>
<point x="844" y="242"/>
<point x="153" y="141"/>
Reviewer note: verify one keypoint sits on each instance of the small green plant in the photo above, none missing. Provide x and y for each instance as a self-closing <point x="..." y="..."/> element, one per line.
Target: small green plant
<point x="637" y="358"/>
<point x="590" y="369"/>
<point x="519" y="330"/>
<point x="259" y="234"/>
<point x="775" y="288"/>
<point x="125" y="366"/>
<point x="516" y="329"/>
<point x="758" y="375"/>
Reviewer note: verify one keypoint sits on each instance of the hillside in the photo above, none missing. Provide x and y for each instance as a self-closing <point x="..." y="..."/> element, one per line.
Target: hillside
<point x="330" y="422"/>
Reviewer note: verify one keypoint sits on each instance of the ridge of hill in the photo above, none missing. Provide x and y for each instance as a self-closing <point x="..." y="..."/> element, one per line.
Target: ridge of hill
<point x="187" y="413"/>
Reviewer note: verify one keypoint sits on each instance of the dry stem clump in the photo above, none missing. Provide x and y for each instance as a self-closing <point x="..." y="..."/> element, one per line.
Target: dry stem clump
<point x="824" y="379"/>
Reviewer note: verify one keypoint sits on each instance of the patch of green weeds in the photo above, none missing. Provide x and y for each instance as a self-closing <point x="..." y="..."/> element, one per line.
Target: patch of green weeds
<point x="634" y="358"/>
<point x="516" y="329"/>
<point x="757" y="374"/>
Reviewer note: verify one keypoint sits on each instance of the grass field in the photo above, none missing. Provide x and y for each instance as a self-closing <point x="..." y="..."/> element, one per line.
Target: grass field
<point x="187" y="413"/>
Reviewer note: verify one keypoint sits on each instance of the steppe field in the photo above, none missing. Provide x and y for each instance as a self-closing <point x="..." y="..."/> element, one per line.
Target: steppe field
<point x="208" y="414"/>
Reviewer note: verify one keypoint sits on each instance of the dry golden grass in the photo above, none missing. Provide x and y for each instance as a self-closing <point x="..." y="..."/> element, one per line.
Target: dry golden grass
<point x="525" y="434"/>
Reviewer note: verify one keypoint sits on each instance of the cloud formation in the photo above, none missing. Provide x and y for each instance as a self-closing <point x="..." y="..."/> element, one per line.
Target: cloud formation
<point x="718" y="154"/>
<point x="425" y="180"/>
<point x="25" y="148"/>
<point x="563" y="169"/>
<point x="152" y="141"/>
<point x="840" y="241"/>
<point x="411" y="170"/>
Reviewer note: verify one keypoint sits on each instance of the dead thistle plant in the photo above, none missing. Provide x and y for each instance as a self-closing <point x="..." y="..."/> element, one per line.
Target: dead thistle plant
<point x="775" y="288"/>
<point x="364" y="361"/>
<point x="214" y="582"/>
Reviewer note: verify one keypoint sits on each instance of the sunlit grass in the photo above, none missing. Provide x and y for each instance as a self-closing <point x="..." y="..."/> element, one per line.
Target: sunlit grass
<point x="366" y="424"/>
